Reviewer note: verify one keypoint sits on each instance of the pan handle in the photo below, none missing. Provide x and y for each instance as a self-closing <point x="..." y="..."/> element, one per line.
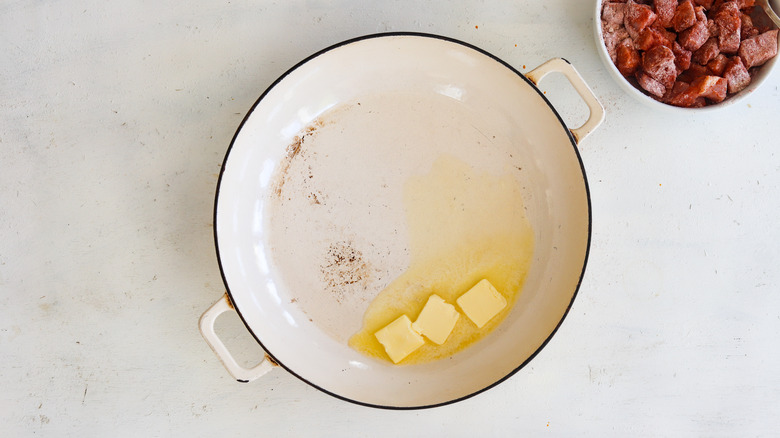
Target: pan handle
<point x="560" y="65"/>
<point x="238" y="372"/>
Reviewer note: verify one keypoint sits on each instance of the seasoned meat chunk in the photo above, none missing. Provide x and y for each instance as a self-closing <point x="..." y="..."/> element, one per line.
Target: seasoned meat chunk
<point x="653" y="36"/>
<point x="628" y="59"/>
<point x="694" y="72"/>
<point x="759" y="49"/>
<point x="650" y="85"/>
<point x="665" y="10"/>
<point x="612" y="38"/>
<point x="748" y="29"/>
<point x="613" y="13"/>
<point x="736" y="74"/>
<point x="637" y="17"/>
<point x="707" y="52"/>
<point x="682" y="57"/>
<point x="684" y="16"/>
<point x="729" y="21"/>
<point x="713" y="88"/>
<point x="695" y="36"/>
<point x="658" y="63"/>
<point x="717" y="65"/>
<point x="710" y="87"/>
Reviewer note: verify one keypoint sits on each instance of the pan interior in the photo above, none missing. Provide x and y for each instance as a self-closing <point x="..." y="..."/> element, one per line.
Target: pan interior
<point x="316" y="174"/>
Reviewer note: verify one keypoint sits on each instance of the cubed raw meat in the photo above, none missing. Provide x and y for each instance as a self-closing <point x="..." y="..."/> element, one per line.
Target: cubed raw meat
<point x="665" y="10"/>
<point x="701" y="14"/>
<point x="651" y="37"/>
<point x="694" y="71"/>
<point x="717" y="65"/>
<point x="650" y="85"/>
<point x="613" y="13"/>
<point x="712" y="28"/>
<point x="759" y="49"/>
<point x="612" y="38"/>
<point x="710" y="87"/>
<point x="707" y="4"/>
<point x="658" y="63"/>
<point x="729" y="21"/>
<point x="736" y="74"/>
<point x="684" y="16"/>
<point x="714" y="88"/>
<point x="748" y="29"/>
<point x="682" y="57"/>
<point x="628" y="59"/>
<point x="677" y="88"/>
<point x="707" y="52"/>
<point x="637" y="18"/>
<point x="694" y="37"/>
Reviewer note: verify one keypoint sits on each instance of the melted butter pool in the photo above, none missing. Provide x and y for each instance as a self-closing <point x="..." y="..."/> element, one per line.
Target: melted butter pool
<point x="464" y="225"/>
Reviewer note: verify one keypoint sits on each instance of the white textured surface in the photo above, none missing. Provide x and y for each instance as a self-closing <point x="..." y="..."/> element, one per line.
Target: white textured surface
<point x="115" y="119"/>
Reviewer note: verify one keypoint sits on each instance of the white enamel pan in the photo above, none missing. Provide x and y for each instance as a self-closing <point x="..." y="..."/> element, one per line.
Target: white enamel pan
<point x="310" y="173"/>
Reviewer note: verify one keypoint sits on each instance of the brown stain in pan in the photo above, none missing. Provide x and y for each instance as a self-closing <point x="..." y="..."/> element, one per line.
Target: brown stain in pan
<point x="295" y="150"/>
<point x="344" y="268"/>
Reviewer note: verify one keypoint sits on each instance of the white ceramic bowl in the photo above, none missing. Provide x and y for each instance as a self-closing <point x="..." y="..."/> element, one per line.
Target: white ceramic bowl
<point x="640" y="95"/>
<point x="472" y="98"/>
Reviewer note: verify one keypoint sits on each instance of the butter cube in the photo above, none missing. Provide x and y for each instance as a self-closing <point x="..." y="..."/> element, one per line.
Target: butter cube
<point x="436" y="320"/>
<point x="399" y="339"/>
<point x="481" y="303"/>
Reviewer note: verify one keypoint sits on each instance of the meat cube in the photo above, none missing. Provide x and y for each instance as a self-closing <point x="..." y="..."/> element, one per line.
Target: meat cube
<point x="650" y="85"/>
<point x="683" y="98"/>
<point x="694" y="72"/>
<point x="637" y="18"/>
<point x="677" y="88"/>
<point x="713" y="88"/>
<point x="684" y="16"/>
<point x="665" y="10"/>
<point x="628" y="58"/>
<point x="707" y="52"/>
<point x="701" y="14"/>
<point x="694" y="37"/>
<point x="612" y="38"/>
<point x="658" y="63"/>
<point x="710" y="87"/>
<point x="706" y="4"/>
<point x="613" y="13"/>
<point x="651" y="37"/>
<point x="712" y="28"/>
<point x="746" y="3"/>
<point x="717" y="65"/>
<point x="729" y="21"/>
<point x="736" y="74"/>
<point x="759" y="49"/>
<point x="748" y="29"/>
<point x="682" y="57"/>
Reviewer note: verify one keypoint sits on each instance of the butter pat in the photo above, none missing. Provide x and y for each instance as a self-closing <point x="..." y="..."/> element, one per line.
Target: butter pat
<point x="436" y="320"/>
<point x="399" y="339"/>
<point x="481" y="303"/>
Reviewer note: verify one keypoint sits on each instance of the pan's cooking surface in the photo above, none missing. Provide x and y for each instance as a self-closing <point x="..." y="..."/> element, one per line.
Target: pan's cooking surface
<point x="342" y="199"/>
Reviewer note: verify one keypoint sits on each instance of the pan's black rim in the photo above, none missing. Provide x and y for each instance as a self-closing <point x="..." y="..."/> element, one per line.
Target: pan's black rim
<point x="419" y="35"/>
